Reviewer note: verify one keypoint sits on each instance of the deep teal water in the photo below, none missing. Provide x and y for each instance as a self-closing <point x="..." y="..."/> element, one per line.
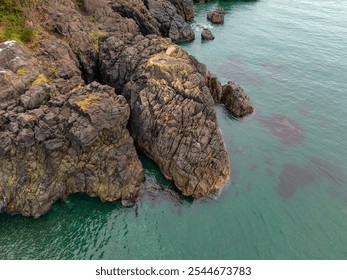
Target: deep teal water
<point x="287" y="198"/>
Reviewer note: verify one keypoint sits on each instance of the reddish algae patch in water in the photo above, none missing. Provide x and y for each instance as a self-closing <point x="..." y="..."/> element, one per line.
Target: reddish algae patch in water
<point x="287" y="130"/>
<point x="293" y="178"/>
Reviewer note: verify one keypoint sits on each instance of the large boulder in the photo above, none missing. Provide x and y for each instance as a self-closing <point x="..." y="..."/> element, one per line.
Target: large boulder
<point x="18" y="68"/>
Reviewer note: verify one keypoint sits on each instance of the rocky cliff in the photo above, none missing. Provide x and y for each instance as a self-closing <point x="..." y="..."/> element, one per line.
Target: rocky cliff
<point x="98" y="78"/>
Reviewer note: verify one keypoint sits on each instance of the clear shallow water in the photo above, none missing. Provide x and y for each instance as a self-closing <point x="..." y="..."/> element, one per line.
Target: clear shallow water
<point x="286" y="199"/>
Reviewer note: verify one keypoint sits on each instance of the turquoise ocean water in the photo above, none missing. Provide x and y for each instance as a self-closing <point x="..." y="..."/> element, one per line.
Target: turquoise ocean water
<point x="287" y="198"/>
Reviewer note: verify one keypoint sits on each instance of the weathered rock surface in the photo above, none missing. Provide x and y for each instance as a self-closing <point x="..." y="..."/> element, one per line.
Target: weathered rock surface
<point x="216" y="16"/>
<point x="207" y="35"/>
<point x="58" y="138"/>
<point x="173" y="119"/>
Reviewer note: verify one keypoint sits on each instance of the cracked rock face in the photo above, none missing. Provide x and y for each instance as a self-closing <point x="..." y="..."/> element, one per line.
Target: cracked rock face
<point x="172" y="115"/>
<point x="61" y="137"/>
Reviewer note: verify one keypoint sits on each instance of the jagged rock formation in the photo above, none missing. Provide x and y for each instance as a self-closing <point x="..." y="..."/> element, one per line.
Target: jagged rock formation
<point x="62" y="131"/>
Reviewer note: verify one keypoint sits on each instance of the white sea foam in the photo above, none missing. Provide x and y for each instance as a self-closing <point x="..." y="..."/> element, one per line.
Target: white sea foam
<point x="200" y="26"/>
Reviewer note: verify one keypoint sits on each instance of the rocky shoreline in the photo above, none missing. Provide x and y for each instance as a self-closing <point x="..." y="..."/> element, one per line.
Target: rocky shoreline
<point x="100" y="78"/>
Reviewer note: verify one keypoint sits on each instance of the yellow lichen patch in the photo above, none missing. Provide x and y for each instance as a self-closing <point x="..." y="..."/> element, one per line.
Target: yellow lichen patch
<point x="178" y="86"/>
<point x="88" y="102"/>
<point x="41" y="79"/>
<point x="21" y="71"/>
<point x="96" y="36"/>
<point x="167" y="117"/>
<point x="75" y="89"/>
<point x="162" y="60"/>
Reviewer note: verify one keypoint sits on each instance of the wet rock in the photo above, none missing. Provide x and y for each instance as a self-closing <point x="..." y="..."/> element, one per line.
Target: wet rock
<point x="207" y="35"/>
<point x="216" y="16"/>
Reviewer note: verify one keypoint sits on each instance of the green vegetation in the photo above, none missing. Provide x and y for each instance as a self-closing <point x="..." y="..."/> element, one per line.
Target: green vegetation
<point x="12" y="20"/>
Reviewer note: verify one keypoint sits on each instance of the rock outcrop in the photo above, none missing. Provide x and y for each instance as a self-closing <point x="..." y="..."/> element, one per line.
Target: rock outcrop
<point x="173" y="119"/>
<point x="98" y="80"/>
<point x="231" y="95"/>
<point x="61" y="137"/>
<point x="216" y="16"/>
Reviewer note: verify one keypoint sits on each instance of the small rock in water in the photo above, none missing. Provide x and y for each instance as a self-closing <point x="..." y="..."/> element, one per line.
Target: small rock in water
<point x="216" y="16"/>
<point x="236" y="100"/>
<point x="207" y="35"/>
